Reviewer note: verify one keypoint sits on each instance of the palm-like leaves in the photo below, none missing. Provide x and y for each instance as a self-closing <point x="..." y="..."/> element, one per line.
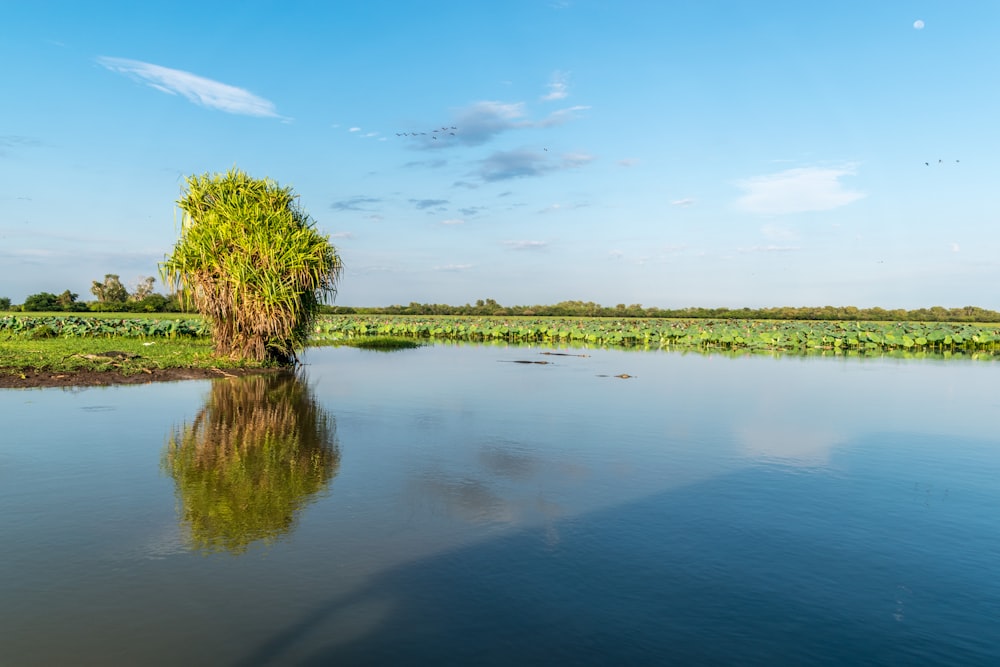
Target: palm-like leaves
<point x="253" y="263"/>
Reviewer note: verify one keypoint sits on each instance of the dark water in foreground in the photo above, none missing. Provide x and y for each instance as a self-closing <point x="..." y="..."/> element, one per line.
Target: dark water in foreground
<point x="446" y="506"/>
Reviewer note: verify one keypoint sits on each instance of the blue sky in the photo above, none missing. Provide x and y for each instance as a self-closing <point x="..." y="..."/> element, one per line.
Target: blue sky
<point x="689" y="153"/>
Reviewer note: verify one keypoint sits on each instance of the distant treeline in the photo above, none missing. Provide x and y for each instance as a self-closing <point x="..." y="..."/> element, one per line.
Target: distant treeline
<point x="591" y="309"/>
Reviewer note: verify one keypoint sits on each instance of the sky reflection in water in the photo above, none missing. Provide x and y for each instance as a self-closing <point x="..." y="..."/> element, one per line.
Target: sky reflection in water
<point x="460" y="508"/>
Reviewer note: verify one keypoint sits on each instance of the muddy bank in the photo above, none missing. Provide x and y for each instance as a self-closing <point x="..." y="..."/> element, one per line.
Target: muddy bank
<point x="31" y="378"/>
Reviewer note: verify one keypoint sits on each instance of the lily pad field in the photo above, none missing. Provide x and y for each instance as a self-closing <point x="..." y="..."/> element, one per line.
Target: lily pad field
<point x="794" y="337"/>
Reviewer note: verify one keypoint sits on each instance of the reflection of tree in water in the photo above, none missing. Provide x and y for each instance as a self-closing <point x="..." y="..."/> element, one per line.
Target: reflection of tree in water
<point x="259" y="451"/>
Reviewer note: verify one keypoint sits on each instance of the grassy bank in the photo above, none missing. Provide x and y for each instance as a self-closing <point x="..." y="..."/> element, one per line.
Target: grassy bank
<point x="127" y="356"/>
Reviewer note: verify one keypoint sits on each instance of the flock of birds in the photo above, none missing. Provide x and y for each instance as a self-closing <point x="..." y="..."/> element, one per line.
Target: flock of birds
<point x="939" y="162"/>
<point x="433" y="133"/>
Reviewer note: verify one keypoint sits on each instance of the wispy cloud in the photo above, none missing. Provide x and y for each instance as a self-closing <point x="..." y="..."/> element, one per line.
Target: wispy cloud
<point x="505" y="165"/>
<point x="453" y="221"/>
<point x="16" y="141"/>
<point x="556" y="208"/>
<point x="358" y="203"/>
<point x="797" y="191"/>
<point x="342" y="235"/>
<point x="430" y="164"/>
<point x="453" y="267"/>
<point x="526" y="245"/>
<point x="481" y="121"/>
<point x="561" y="116"/>
<point x="955" y="247"/>
<point x="769" y="248"/>
<point x="197" y="89"/>
<point x="628" y="162"/>
<point x="558" y="88"/>
<point x="687" y="201"/>
<point x="778" y="232"/>
<point x="574" y="160"/>
<point x="424" y="204"/>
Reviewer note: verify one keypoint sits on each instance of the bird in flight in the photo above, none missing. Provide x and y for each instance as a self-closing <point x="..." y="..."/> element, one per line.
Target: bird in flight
<point x="441" y="130"/>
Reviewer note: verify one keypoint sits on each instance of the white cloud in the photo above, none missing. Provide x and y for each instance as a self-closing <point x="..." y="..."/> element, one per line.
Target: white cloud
<point x="453" y="267"/>
<point x="918" y="25"/>
<point x="562" y="116"/>
<point x="480" y="122"/>
<point x="453" y="221"/>
<point x="554" y="208"/>
<point x="354" y="129"/>
<point x="777" y="232"/>
<point x="769" y="248"/>
<point x="197" y="89"/>
<point x="525" y="245"/>
<point x="504" y="165"/>
<point x="687" y="201"/>
<point x="571" y="160"/>
<point x="558" y="88"/>
<point x="797" y="191"/>
<point x="954" y="247"/>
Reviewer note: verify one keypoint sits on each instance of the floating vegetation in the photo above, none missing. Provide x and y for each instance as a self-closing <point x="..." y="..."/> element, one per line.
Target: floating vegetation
<point x="382" y="343"/>
<point x="797" y="337"/>
<point x="393" y="332"/>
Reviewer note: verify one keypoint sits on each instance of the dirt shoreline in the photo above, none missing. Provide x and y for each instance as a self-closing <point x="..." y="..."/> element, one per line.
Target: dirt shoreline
<point x="30" y="378"/>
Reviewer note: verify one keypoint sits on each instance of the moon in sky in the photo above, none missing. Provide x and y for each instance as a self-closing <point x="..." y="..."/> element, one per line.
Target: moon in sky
<point x="918" y="24"/>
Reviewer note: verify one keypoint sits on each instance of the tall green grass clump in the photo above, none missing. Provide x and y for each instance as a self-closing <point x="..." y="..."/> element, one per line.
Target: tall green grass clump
<point x="251" y="261"/>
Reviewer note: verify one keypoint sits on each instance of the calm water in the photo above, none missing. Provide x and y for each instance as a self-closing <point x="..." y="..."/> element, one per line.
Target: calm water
<point x="447" y="506"/>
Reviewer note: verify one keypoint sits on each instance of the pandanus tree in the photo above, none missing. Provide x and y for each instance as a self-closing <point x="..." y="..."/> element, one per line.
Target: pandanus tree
<point x="251" y="261"/>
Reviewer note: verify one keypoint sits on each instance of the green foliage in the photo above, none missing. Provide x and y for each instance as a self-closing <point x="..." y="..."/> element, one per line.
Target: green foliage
<point x="48" y="302"/>
<point x="382" y="343"/>
<point x="110" y="290"/>
<point x="42" y="302"/>
<point x="107" y="306"/>
<point x="752" y="335"/>
<point x="76" y="326"/>
<point x="260" y="450"/>
<point x="44" y="331"/>
<point x="142" y="289"/>
<point x="4" y="303"/>
<point x="591" y="309"/>
<point x="252" y="262"/>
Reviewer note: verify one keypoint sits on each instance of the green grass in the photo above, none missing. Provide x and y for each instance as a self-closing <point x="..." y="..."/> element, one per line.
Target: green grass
<point x="82" y="354"/>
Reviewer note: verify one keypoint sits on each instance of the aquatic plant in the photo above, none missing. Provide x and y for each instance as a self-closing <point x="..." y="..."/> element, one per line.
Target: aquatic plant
<point x="753" y="335"/>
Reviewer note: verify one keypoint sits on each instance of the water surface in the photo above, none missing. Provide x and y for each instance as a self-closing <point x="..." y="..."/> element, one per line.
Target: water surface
<point x="447" y="505"/>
